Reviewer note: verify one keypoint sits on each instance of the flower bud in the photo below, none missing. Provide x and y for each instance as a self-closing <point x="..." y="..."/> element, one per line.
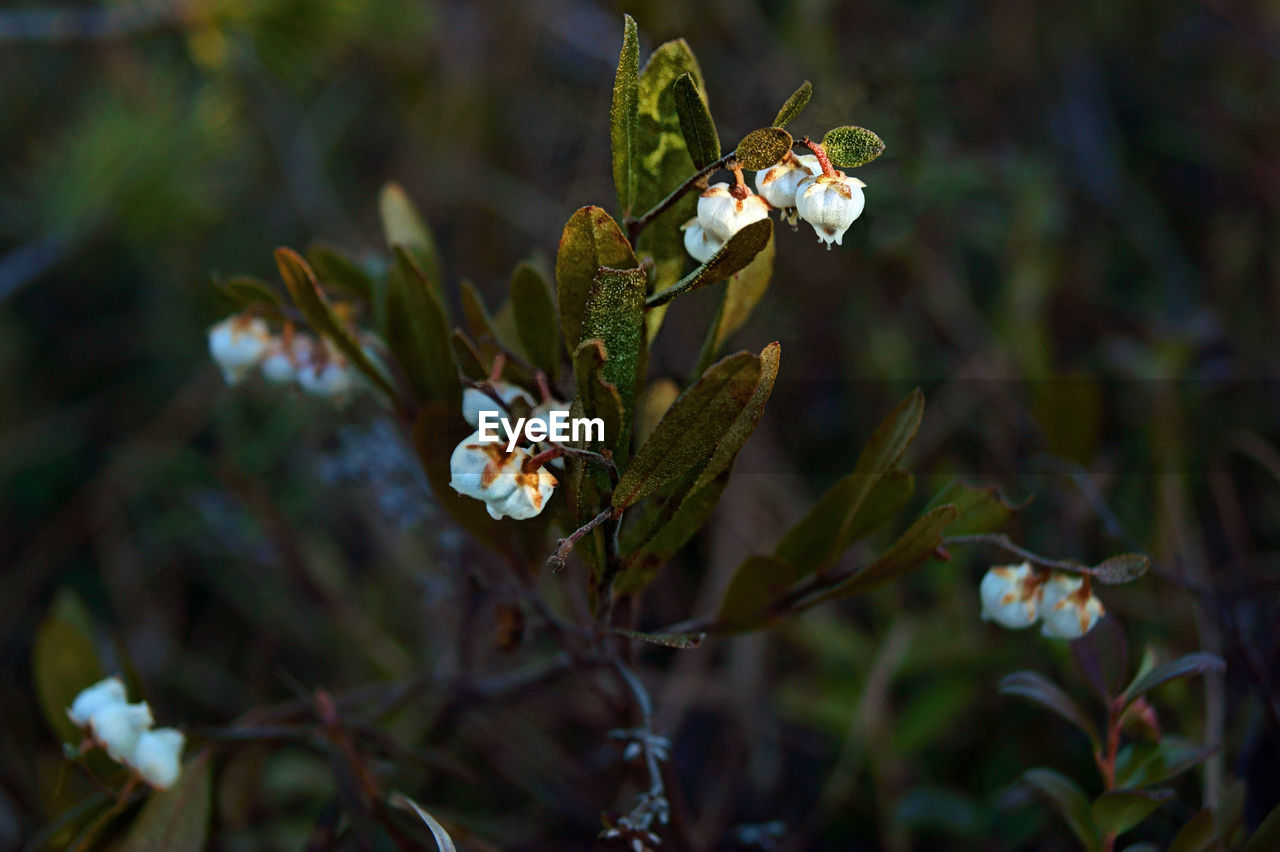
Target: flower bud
<point x="237" y="344"/>
<point x="285" y="358"/>
<point x="1070" y="609"/>
<point x="475" y="400"/>
<point x="93" y="698"/>
<point x="700" y="244"/>
<point x="157" y="757"/>
<point x="721" y="214"/>
<point x="830" y="204"/>
<point x="117" y="726"/>
<point x="1011" y="595"/>
<point x="778" y="183"/>
<point x="484" y="469"/>
<point x="533" y="490"/>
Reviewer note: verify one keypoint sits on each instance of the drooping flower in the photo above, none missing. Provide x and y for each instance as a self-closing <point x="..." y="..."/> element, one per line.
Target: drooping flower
<point x="327" y="374"/>
<point x="117" y="725"/>
<point x="157" y="756"/>
<point x="286" y="356"/>
<point x="830" y="203"/>
<point x="723" y="211"/>
<point x="91" y="699"/>
<point x="1070" y="609"/>
<point x="475" y="400"/>
<point x="529" y="497"/>
<point x="484" y="469"/>
<point x="1011" y="595"/>
<point x="237" y="344"/>
<point x="778" y="183"/>
<point x="698" y="242"/>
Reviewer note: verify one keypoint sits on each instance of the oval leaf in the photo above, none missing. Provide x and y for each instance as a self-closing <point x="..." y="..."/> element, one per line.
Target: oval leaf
<point x="403" y="225"/>
<point x="1143" y="764"/>
<point x="1062" y="794"/>
<point x="794" y="105"/>
<point x="177" y="819"/>
<point x="850" y="147"/>
<point x="590" y="240"/>
<point x="683" y="641"/>
<point x="615" y="315"/>
<point x="695" y="121"/>
<point x="419" y="331"/>
<point x="537" y="325"/>
<point x="762" y="148"/>
<point x="732" y="257"/>
<point x="1117" y="811"/>
<point x="1123" y="568"/>
<point x="1192" y="664"/>
<point x="64" y="660"/>
<point x="1038" y="689"/>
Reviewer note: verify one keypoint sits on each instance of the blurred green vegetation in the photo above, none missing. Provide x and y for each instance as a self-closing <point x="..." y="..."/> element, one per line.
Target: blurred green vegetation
<point x="1070" y="244"/>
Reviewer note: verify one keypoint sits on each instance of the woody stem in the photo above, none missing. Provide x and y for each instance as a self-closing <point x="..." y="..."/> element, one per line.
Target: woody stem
<point x="557" y="559"/>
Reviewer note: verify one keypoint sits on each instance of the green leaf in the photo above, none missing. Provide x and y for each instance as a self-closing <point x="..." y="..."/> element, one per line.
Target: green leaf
<point x="742" y="293"/>
<point x="615" y="315"/>
<point x="695" y="121"/>
<point x="982" y="509"/>
<point x="245" y="291"/>
<point x="1062" y="794"/>
<point x="177" y="819"/>
<point x="1143" y="764"/>
<point x="663" y="163"/>
<point x="1118" y="811"/>
<point x="623" y="117"/>
<point x="689" y="433"/>
<point x="335" y="268"/>
<point x="763" y="148"/>
<point x="470" y="362"/>
<point x="808" y="543"/>
<point x="598" y="396"/>
<point x="591" y="240"/>
<point x="1187" y="666"/>
<point x="758" y="583"/>
<point x="306" y="294"/>
<point x="683" y="508"/>
<point x="478" y="321"/>
<point x="1197" y="834"/>
<point x="652" y="404"/>
<point x="732" y="257"/>
<point x="64" y="660"/>
<point x="420" y="331"/>
<point x="912" y="548"/>
<point x="683" y="641"/>
<point x="536" y="322"/>
<point x="403" y="225"/>
<point x="438" y="833"/>
<point x="1123" y="568"/>
<point x="1038" y="689"/>
<point x="850" y="147"/>
<point x="794" y="105"/>
<point x="1267" y="837"/>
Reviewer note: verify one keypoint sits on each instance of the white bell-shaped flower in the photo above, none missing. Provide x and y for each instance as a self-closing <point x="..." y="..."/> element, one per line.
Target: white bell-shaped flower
<point x="237" y="344"/>
<point x="327" y="374"/>
<point x="700" y="244"/>
<point x="285" y="357"/>
<point x="93" y="698"/>
<point x="830" y="204"/>
<point x="722" y="214"/>
<point x="533" y="490"/>
<point x="1011" y="595"/>
<point x="778" y="183"/>
<point x="117" y="726"/>
<point x="484" y="469"/>
<point x="475" y="400"/>
<point x="1069" y="609"/>
<point x="157" y="756"/>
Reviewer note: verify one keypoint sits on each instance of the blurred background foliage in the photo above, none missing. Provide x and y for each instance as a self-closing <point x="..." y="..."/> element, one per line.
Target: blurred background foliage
<point x="1070" y="244"/>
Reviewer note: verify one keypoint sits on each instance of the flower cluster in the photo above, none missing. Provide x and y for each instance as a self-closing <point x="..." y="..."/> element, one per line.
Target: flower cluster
<point x="1017" y="596"/>
<point x="125" y="731"/>
<point x="242" y="342"/>
<point x="804" y="186"/>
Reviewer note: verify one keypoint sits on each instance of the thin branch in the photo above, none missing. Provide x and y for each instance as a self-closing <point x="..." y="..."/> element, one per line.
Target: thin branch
<point x="1004" y="542"/>
<point x="557" y="559"/>
<point x="637" y="224"/>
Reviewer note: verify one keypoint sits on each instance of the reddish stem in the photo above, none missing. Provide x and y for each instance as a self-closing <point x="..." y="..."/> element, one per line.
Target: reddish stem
<point x="823" y="160"/>
<point x="499" y="362"/>
<point x="739" y="189"/>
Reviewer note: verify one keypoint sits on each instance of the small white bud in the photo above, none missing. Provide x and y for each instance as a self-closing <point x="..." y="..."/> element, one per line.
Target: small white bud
<point x="830" y="204"/>
<point x="484" y="469"/>
<point x="533" y="490"/>
<point x="285" y="357"/>
<point x="700" y="244"/>
<point x="475" y="400"/>
<point x="778" y="183"/>
<point x="1069" y="609"/>
<point x="93" y="698"/>
<point x="1011" y="595"/>
<point x="117" y="726"/>
<point x="237" y="344"/>
<point x="157" y="757"/>
<point x="722" y="215"/>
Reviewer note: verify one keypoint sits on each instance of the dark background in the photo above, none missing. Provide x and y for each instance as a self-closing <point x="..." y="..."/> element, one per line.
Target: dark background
<point x="1071" y="244"/>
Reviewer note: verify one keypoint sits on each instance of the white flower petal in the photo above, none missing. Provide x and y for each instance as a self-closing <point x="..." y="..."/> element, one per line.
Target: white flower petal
<point x="93" y="698"/>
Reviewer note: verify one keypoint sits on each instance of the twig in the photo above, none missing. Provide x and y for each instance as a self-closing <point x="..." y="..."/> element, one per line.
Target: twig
<point x="557" y="559"/>
<point x="637" y="224"/>
<point x="1004" y="542"/>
